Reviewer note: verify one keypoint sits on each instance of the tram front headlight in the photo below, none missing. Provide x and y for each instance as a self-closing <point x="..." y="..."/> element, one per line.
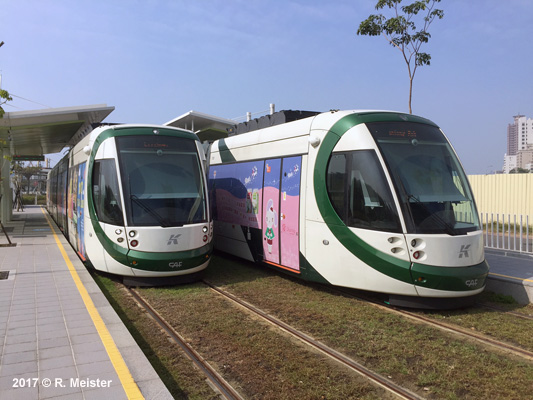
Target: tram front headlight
<point x="134" y="243"/>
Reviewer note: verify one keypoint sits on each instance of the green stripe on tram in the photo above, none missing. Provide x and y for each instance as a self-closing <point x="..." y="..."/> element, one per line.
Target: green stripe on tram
<point x="389" y="265"/>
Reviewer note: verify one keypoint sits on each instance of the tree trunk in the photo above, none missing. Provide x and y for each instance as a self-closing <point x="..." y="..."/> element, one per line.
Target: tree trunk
<point x="410" y="94"/>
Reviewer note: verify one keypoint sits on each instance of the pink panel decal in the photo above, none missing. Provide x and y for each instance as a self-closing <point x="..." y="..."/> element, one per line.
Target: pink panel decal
<point x="290" y="213"/>
<point x="290" y="255"/>
<point x="271" y="211"/>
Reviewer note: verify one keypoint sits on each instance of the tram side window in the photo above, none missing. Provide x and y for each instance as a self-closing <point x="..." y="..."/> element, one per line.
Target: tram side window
<point x="336" y="181"/>
<point x="359" y="191"/>
<point x="106" y="193"/>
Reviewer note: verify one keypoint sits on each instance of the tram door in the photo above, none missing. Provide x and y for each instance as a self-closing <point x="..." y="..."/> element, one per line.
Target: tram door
<point x="281" y="206"/>
<point x="271" y="185"/>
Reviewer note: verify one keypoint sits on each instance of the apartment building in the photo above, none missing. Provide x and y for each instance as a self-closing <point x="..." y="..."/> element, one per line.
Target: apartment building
<point x="519" y="144"/>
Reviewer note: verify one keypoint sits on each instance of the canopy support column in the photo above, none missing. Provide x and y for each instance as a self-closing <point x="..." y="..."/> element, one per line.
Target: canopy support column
<point x="6" y="196"/>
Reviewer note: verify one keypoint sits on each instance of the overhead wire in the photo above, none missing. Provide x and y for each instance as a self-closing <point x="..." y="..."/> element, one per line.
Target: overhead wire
<point x="31" y="101"/>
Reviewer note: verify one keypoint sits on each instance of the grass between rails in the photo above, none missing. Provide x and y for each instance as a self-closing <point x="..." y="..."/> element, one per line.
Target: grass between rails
<point x="494" y="323"/>
<point x="175" y="370"/>
<point x="266" y="364"/>
<point x="415" y="355"/>
<point x="257" y="359"/>
<point x="261" y="362"/>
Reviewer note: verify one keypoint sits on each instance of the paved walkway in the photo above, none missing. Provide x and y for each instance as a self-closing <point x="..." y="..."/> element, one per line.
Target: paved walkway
<point x="59" y="336"/>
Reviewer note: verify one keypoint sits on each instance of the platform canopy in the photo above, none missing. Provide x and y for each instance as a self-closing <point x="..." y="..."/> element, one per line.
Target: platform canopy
<point x="39" y="132"/>
<point x="207" y="127"/>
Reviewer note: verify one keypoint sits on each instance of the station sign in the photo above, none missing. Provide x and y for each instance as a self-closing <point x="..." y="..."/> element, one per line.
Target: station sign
<point x="28" y="158"/>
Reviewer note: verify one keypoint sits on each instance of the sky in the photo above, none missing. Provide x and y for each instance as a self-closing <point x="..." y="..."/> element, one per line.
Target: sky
<point x="154" y="60"/>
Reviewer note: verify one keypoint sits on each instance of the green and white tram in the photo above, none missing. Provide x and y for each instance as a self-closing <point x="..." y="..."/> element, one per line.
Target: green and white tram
<point x="370" y="200"/>
<point x="132" y="201"/>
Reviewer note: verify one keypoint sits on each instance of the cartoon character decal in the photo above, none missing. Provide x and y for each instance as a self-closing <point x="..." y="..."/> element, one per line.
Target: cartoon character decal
<point x="271" y="218"/>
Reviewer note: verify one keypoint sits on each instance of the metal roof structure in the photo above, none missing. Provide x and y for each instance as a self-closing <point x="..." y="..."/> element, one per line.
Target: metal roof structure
<point x="207" y="127"/>
<point x="38" y="132"/>
<point x="46" y="131"/>
<point x="197" y="121"/>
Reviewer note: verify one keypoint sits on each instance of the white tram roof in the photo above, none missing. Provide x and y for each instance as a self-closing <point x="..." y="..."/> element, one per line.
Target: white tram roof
<point x="39" y="132"/>
<point x="293" y="129"/>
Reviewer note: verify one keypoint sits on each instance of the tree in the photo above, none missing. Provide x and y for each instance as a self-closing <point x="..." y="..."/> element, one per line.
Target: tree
<point x="4" y="98"/>
<point x="519" y="170"/>
<point x="4" y="95"/>
<point x="400" y="31"/>
<point x="26" y="171"/>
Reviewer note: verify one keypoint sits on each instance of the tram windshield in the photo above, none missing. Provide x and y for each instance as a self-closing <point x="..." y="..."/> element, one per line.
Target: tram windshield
<point x="161" y="180"/>
<point x="432" y="187"/>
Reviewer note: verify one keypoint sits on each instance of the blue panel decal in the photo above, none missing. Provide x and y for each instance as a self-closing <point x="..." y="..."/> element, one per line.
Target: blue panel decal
<point x="237" y="190"/>
<point x="80" y="210"/>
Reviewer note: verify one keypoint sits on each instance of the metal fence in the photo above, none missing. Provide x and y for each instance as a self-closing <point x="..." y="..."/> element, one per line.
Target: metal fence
<point x="507" y="232"/>
<point x="503" y="193"/>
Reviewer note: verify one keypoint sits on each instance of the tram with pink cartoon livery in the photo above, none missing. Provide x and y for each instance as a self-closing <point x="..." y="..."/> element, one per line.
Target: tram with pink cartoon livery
<point x="370" y="200"/>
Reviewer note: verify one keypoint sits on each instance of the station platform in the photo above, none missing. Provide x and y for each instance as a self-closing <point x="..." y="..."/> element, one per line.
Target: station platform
<point x="59" y="336"/>
<point x="511" y="273"/>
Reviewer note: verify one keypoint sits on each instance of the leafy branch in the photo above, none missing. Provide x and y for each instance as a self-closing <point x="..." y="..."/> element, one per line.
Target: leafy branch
<point x="401" y="32"/>
<point x="4" y="98"/>
<point x="4" y="95"/>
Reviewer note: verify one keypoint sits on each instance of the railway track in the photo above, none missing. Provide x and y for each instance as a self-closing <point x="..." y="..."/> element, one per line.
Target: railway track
<point x="225" y="390"/>
<point x="217" y="382"/>
<point x="497" y="344"/>
<point x="377" y="379"/>
<point x="513" y="313"/>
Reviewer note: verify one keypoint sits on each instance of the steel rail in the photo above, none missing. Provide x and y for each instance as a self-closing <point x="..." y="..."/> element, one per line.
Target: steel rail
<point x="216" y="380"/>
<point x="513" y="313"/>
<point x="341" y="358"/>
<point x="502" y="346"/>
<point x="528" y="355"/>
